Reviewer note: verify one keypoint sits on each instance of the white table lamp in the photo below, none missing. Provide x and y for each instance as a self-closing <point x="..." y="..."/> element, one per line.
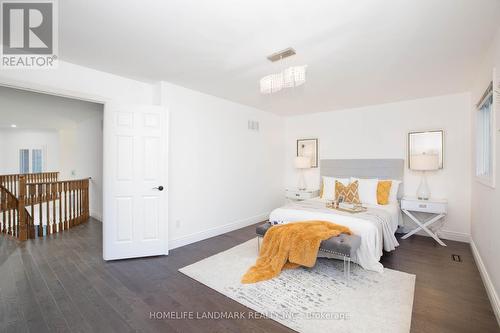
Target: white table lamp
<point x="302" y="163"/>
<point x="424" y="162"/>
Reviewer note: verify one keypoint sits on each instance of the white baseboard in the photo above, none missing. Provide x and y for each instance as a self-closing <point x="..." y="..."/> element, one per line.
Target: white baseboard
<point x="209" y="233"/>
<point x="490" y="289"/>
<point x="444" y="234"/>
<point x="454" y="236"/>
<point x="96" y="215"/>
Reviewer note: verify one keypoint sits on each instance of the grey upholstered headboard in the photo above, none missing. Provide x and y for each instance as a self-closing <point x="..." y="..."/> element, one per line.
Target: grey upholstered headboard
<point x="365" y="168"/>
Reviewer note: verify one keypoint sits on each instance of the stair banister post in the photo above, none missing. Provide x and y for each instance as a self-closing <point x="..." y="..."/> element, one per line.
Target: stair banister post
<point x="21" y="212"/>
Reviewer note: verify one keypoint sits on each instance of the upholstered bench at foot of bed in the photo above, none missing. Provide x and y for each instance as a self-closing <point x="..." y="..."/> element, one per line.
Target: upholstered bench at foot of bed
<point x="342" y="245"/>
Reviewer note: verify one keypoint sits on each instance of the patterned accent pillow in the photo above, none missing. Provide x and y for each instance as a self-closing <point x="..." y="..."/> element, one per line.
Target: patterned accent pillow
<point x="349" y="192"/>
<point x="383" y="191"/>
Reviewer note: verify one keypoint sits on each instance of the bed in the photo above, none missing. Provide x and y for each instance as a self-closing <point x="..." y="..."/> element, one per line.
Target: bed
<point x="376" y="226"/>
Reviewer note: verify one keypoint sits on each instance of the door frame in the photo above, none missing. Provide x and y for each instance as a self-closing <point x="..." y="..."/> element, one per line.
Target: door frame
<point x="93" y="98"/>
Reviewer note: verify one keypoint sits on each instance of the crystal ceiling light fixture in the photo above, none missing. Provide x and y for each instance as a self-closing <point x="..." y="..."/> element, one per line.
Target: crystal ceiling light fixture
<point x="294" y="76"/>
<point x="288" y="78"/>
<point x="271" y="83"/>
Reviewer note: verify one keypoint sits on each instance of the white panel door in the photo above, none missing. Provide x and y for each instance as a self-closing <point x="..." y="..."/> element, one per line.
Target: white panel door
<point x="135" y="216"/>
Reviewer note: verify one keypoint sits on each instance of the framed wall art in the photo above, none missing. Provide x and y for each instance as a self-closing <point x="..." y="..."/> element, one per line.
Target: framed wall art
<point x="308" y="148"/>
<point x="426" y="142"/>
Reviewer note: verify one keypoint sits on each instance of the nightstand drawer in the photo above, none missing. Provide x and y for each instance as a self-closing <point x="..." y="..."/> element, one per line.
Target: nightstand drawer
<point x="424" y="206"/>
<point x="298" y="195"/>
<point x="301" y="195"/>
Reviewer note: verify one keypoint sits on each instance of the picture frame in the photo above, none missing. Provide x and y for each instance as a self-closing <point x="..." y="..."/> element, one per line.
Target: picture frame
<point x="426" y="142"/>
<point x="309" y="148"/>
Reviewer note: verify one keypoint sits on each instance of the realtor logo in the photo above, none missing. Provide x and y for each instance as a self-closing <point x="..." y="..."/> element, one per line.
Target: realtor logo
<point x="29" y="34"/>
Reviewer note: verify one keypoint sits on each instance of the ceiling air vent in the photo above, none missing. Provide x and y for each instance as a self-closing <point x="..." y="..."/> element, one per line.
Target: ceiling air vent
<point x="253" y="125"/>
<point x="281" y="54"/>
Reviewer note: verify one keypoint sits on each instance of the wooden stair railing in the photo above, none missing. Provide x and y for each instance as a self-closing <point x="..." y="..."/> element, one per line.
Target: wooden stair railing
<point x="61" y="205"/>
<point x="43" y="208"/>
<point x="11" y="182"/>
<point x="9" y="206"/>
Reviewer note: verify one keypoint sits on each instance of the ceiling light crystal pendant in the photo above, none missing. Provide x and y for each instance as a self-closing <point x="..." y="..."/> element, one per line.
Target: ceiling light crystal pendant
<point x="271" y="83"/>
<point x="294" y="76"/>
<point x="289" y="78"/>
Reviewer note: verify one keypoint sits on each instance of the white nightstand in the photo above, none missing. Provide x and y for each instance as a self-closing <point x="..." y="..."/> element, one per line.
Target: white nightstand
<point x="432" y="206"/>
<point x="298" y="195"/>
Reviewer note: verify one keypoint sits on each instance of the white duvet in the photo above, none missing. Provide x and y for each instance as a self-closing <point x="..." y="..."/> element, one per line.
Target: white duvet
<point x="376" y="227"/>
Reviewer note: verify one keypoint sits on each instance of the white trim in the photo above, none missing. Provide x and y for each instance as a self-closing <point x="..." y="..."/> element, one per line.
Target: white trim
<point x="454" y="236"/>
<point x="495" y="106"/>
<point x="96" y="215"/>
<point x="443" y="234"/>
<point x="52" y="90"/>
<point x="485" y="98"/>
<point x="209" y="233"/>
<point x="486" y="181"/>
<point x="490" y="289"/>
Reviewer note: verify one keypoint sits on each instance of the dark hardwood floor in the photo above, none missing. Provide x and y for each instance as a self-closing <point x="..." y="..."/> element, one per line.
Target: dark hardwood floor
<point x="62" y="284"/>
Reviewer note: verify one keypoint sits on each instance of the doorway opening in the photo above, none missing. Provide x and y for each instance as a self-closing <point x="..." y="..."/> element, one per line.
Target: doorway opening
<point x="51" y="163"/>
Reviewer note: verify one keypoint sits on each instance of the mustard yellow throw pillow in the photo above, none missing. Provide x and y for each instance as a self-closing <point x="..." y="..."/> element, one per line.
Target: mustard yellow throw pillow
<point x="383" y="191"/>
<point x="349" y="192"/>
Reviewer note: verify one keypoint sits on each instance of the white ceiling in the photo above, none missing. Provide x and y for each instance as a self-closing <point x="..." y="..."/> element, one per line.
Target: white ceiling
<point x="30" y="110"/>
<point x="358" y="52"/>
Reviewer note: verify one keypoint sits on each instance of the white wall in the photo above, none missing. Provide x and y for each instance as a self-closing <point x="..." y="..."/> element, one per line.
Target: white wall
<point x="380" y="131"/>
<point x="81" y="156"/>
<point x="14" y="139"/>
<point x="221" y="175"/>
<point x="486" y="200"/>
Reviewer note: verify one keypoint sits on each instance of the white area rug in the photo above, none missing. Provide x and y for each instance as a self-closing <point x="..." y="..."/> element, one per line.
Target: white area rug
<point x="316" y="299"/>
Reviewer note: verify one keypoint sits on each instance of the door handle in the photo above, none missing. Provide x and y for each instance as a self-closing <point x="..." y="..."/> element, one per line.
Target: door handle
<point x="159" y="188"/>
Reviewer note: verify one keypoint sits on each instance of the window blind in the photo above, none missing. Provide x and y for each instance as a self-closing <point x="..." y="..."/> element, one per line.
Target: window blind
<point x="484" y="135"/>
<point x="24" y="160"/>
<point x="37" y="160"/>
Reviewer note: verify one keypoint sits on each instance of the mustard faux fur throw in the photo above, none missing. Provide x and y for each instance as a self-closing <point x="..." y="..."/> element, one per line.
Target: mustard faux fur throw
<point x="289" y="246"/>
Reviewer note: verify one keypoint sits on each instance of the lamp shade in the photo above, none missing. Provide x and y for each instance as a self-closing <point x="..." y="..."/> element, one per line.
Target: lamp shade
<point x="302" y="162"/>
<point x="424" y="162"/>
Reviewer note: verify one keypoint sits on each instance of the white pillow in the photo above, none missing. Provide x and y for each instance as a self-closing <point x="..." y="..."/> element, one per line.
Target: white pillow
<point x="367" y="190"/>
<point x="393" y="194"/>
<point x="329" y="186"/>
